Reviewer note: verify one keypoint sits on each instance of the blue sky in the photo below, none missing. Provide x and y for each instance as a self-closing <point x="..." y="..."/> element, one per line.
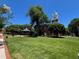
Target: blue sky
<point x="67" y="9"/>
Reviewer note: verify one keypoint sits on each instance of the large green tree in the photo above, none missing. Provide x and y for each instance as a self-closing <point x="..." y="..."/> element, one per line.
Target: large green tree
<point x="37" y="15"/>
<point x="74" y="26"/>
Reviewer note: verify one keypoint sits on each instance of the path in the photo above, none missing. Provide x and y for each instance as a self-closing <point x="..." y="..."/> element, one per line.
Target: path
<point x="4" y="53"/>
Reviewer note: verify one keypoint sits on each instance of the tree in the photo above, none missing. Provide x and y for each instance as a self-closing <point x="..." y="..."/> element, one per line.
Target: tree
<point x="5" y="15"/>
<point x="74" y="26"/>
<point x="44" y="19"/>
<point x="35" y="14"/>
<point x="2" y="22"/>
<point x="38" y="17"/>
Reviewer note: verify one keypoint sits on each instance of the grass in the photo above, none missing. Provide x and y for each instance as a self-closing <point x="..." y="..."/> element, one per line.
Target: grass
<point x="43" y="47"/>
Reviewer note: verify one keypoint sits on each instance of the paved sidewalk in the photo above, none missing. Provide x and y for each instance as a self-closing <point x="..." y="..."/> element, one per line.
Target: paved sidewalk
<point x="2" y="49"/>
<point x="4" y="53"/>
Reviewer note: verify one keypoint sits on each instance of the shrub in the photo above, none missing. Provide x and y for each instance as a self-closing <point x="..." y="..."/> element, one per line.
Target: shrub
<point x="74" y="26"/>
<point x="56" y="29"/>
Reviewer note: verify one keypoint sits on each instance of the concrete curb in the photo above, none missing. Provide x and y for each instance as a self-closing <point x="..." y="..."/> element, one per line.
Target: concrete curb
<point x="7" y="53"/>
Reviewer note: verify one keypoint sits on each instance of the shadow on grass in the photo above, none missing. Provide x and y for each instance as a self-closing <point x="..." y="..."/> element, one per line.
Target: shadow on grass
<point x="56" y="37"/>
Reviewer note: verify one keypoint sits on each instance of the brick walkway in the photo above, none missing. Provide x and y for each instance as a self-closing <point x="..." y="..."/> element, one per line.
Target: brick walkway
<point x="4" y="52"/>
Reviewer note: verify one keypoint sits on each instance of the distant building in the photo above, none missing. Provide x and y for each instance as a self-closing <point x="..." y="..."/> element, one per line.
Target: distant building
<point x="26" y="29"/>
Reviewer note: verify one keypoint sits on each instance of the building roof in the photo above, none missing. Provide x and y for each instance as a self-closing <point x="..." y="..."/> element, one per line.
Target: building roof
<point x="26" y="29"/>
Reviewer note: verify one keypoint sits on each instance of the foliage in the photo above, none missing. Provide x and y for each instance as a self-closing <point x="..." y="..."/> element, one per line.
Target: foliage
<point x="57" y="29"/>
<point x="67" y="32"/>
<point x="5" y="15"/>
<point x="2" y="22"/>
<point x="15" y="27"/>
<point x="74" y="26"/>
<point x="3" y="10"/>
<point x="44" y="19"/>
<point x="29" y="26"/>
<point x="37" y="15"/>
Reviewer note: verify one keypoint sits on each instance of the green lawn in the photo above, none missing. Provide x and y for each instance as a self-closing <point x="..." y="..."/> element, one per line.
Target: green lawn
<point x="43" y="47"/>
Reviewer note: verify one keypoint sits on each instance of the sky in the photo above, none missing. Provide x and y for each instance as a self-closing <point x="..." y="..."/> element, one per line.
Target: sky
<point x="67" y="9"/>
